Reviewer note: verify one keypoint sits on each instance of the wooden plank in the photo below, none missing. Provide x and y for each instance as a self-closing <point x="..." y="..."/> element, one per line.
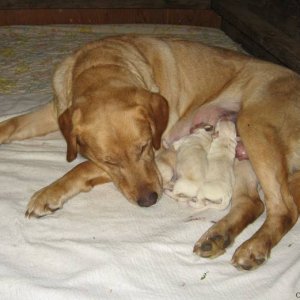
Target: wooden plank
<point x="248" y="44"/>
<point x="284" y="15"/>
<point x="197" y="17"/>
<point x="273" y="40"/>
<point x="71" y="4"/>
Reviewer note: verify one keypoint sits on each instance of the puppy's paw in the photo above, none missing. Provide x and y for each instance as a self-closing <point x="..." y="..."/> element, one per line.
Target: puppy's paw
<point x="185" y="188"/>
<point x="197" y="203"/>
<point x="43" y="203"/>
<point x="166" y="173"/>
<point x="217" y="192"/>
<point x="251" y="254"/>
<point x="214" y="242"/>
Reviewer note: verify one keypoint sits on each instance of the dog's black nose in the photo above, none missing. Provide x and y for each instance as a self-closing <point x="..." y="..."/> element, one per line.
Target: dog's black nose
<point x="148" y="200"/>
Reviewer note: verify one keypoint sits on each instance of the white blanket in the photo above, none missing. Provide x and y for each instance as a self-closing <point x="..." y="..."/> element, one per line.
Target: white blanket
<point x="101" y="247"/>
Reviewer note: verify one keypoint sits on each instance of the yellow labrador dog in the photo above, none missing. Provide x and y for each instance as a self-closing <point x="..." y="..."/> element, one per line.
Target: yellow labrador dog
<point x="116" y="99"/>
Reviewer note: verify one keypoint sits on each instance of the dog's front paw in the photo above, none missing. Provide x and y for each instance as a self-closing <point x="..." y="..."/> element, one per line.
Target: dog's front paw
<point x="43" y="203"/>
<point x="251" y="254"/>
<point x="213" y="243"/>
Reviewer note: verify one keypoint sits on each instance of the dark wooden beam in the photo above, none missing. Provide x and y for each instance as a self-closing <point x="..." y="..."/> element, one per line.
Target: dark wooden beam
<point x="197" y="17"/>
<point x="71" y="4"/>
<point x="284" y="15"/>
<point x="248" y="44"/>
<point x="258" y="31"/>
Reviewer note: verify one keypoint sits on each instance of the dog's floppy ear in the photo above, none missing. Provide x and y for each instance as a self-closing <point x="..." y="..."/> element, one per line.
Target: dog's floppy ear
<point x="159" y="117"/>
<point x="65" y="122"/>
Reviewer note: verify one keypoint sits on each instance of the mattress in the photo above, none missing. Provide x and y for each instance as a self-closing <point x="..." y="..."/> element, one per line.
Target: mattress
<point x="99" y="246"/>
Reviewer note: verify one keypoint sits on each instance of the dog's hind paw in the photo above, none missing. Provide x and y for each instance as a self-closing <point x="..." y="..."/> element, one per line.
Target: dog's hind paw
<point x="251" y="254"/>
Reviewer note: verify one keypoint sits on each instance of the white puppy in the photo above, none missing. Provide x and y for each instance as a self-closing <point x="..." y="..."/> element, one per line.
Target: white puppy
<point x="216" y="190"/>
<point x="166" y="163"/>
<point x="191" y="162"/>
<point x="198" y="168"/>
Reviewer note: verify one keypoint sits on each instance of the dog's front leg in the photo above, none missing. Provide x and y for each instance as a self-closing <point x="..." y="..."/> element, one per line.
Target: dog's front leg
<point x="82" y="178"/>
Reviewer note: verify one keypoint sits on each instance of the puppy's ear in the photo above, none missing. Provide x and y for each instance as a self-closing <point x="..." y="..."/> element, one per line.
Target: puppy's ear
<point x="65" y="122"/>
<point x="159" y="117"/>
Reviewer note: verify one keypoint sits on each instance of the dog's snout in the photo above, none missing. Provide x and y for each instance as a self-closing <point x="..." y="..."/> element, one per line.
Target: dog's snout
<point x="148" y="200"/>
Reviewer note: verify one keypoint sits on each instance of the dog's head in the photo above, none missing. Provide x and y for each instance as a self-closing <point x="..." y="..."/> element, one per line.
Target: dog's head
<point x="119" y="132"/>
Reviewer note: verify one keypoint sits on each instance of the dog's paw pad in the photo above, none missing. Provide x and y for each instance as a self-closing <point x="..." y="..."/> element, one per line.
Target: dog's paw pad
<point x="212" y="245"/>
<point x="249" y="258"/>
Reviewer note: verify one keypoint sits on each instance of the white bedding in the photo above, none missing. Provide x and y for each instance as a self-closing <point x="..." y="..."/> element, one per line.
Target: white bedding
<point x="99" y="246"/>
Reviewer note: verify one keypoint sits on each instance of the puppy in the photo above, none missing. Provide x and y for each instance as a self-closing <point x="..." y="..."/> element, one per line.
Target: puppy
<point x="204" y="167"/>
<point x="216" y="190"/>
<point x="191" y="162"/>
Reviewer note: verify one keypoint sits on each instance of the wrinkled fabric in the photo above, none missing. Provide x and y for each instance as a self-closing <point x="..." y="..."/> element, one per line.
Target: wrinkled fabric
<point x="99" y="246"/>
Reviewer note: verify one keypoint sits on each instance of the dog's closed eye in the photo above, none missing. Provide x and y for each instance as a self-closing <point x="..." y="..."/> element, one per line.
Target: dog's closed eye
<point x="143" y="147"/>
<point x="142" y="150"/>
<point x="109" y="161"/>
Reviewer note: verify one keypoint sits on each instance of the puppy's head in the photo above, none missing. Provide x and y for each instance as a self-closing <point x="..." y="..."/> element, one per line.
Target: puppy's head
<point x="226" y="128"/>
<point x="119" y="132"/>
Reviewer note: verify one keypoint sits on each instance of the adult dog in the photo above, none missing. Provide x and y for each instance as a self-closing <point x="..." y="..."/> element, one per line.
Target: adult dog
<point x="115" y="99"/>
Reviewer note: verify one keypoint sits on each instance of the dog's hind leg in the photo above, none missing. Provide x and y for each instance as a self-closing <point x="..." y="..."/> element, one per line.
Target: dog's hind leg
<point x="294" y="186"/>
<point x="246" y="208"/>
<point x="266" y="144"/>
<point x="36" y="123"/>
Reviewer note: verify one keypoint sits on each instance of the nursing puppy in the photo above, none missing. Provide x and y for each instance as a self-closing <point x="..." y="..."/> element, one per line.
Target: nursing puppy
<point x="117" y="98"/>
<point x="216" y="190"/>
<point x="191" y="162"/>
<point x="203" y="170"/>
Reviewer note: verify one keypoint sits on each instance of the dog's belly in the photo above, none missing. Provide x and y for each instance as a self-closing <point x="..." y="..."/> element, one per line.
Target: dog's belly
<point x="207" y="114"/>
<point x="240" y="151"/>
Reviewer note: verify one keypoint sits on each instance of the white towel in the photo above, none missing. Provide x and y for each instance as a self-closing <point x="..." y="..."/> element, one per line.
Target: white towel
<point x="99" y="246"/>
